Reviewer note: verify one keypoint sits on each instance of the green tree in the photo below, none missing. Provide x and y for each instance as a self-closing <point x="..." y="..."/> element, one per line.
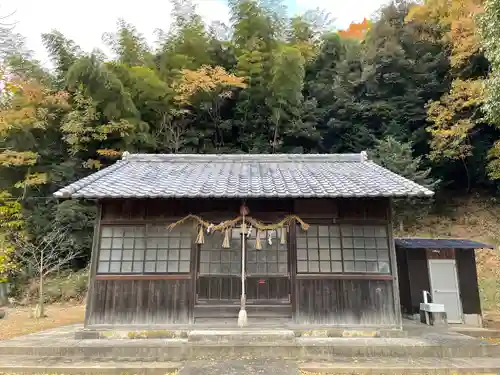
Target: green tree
<point x="129" y="46"/>
<point x="400" y="76"/>
<point x="460" y="137"/>
<point x="454" y="118"/>
<point x="254" y="41"/>
<point x="11" y="219"/>
<point x="186" y="45"/>
<point x="489" y="26"/>
<point x="398" y="158"/>
<point x="203" y="93"/>
<point x="63" y="52"/>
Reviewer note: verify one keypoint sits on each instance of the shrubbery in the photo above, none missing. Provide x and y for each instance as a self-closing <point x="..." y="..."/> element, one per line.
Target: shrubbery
<point x="67" y="286"/>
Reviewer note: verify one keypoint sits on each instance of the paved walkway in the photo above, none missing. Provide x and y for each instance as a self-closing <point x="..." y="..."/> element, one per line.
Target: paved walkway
<point x="57" y="351"/>
<point x="338" y="366"/>
<point x="240" y="367"/>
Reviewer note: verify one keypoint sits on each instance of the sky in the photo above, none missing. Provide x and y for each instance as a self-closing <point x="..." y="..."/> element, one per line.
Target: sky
<point x="86" y="21"/>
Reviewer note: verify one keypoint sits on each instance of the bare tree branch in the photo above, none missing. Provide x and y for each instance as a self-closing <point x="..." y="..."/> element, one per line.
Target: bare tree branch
<point x="6" y="17"/>
<point x="45" y="256"/>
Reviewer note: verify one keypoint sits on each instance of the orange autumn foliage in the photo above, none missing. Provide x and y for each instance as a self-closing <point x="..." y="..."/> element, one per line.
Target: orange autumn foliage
<point x="458" y="20"/>
<point x="356" y="30"/>
<point x="206" y="80"/>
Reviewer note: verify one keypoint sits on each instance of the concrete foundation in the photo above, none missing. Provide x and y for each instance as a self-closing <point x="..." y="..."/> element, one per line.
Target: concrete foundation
<point x="340" y="366"/>
<point x="439" y="319"/>
<point x="420" y="341"/>
<point x="424" y="349"/>
<point x="277" y="337"/>
<point x="473" y="320"/>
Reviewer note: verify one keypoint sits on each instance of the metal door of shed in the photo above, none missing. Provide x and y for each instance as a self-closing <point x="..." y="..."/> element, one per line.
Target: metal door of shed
<point x="444" y="287"/>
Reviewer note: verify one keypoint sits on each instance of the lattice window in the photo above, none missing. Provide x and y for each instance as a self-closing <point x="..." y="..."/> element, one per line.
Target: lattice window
<point x="216" y="260"/>
<point x="144" y="249"/>
<point x="269" y="259"/>
<point x="365" y="248"/>
<point x="343" y="248"/>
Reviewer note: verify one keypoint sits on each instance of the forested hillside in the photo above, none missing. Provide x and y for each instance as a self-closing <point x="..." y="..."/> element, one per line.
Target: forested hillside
<point x="418" y="87"/>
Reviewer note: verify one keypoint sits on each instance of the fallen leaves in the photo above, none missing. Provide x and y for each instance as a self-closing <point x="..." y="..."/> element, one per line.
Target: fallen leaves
<point x="18" y="322"/>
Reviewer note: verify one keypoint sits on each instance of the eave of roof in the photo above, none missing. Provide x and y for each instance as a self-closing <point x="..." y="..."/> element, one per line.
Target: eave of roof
<point x="440" y="243"/>
<point x="243" y="176"/>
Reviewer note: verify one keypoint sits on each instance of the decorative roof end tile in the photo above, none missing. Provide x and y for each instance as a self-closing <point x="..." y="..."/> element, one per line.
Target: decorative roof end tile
<point x="364" y="156"/>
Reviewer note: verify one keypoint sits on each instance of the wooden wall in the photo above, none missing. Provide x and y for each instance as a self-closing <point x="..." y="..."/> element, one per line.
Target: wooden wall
<point x="151" y="299"/>
<point x="467" y="280"/>
<point x="416" y="271"/>
<point x="164" y="210"/>
<point x="122" y="210"/>
<point x="440" y="253"/>
<point x="219" y="288"/>
<point x="418" y="276"/>
<point x="115" y="301"/>
<point x="404" y="282"/>
<point x="345" y="302"/>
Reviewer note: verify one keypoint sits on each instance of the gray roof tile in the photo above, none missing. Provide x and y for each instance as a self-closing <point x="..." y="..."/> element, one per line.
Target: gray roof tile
<point x="246" y="175"/>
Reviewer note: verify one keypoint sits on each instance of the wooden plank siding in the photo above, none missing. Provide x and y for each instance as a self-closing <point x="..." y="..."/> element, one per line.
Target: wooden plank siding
<point x="467" y="279"/>
<point x="345" y="302"/>
<point x="337" y="299"/>
<point x="404" y="281"/>
<point x="147" y="302"/>
<point x="418" y="274"/>
<point x="440" y="253"/>
<point x="218" y="288"/>
<point x="396" y="300"/>
<point x="165" y="210"/>
<point x="414" y="277"/>
<point x="89" y="306"/>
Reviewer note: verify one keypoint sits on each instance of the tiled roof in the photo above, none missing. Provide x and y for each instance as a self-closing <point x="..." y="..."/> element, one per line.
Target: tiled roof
<point x="246" y="175"/>
<point x="439" y="243"/>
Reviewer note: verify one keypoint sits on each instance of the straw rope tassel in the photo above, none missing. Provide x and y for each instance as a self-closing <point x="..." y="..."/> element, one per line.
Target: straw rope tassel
<point x="225" y="243"/>
<point x="258" y="245"/>
<point x="200" y="239"/>
<point x="283" y="235"/>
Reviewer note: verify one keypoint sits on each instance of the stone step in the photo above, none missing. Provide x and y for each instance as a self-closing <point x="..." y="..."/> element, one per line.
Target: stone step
<point x="69" y="366"/>
<point x="399" y="366"/>
<point x="338" y="366"/>
<point x="242" y="336"/>
<point x="479" y="332"/>
<point x="302" y="349"/>
<point x="267" y="330"/>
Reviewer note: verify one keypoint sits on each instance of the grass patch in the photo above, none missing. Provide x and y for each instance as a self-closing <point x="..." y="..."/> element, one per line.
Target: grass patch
<point x="64" y="287"/>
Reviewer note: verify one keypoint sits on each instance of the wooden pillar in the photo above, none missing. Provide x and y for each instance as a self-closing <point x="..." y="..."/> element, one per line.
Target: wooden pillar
<point x="394" y="270"/>
<point x="195" y="254"/>
<point x="292" y="268"/>
<point x="94" y="255"/>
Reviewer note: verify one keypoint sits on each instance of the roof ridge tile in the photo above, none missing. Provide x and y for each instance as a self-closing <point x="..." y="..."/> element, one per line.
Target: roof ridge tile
<point x="270" y="158"/>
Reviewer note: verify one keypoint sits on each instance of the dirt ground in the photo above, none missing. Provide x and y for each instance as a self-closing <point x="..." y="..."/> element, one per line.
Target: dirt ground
<point x="492" y="320"/>
<point x="18" y="322"/>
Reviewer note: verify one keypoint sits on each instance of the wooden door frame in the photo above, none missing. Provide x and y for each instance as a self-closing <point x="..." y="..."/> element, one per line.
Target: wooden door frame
<point x="290" y="277"/>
